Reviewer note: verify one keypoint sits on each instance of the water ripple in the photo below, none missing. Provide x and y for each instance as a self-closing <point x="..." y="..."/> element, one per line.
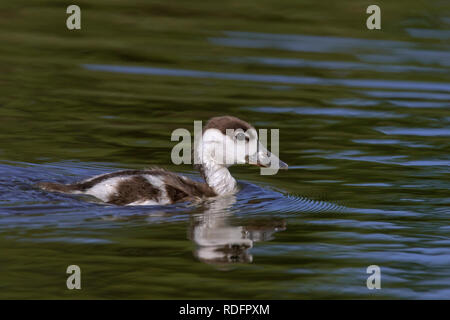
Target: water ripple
<point x="275" y="78"/>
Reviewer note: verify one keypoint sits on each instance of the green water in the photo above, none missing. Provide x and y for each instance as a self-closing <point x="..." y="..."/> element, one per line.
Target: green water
<point x="364" y="125"/>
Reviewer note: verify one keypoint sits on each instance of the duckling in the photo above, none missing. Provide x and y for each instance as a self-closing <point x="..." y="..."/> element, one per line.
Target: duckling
<point x="217" y="149"/>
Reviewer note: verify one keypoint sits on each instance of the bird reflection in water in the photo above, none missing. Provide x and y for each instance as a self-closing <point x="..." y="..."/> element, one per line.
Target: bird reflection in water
<point x="220" y="242"/>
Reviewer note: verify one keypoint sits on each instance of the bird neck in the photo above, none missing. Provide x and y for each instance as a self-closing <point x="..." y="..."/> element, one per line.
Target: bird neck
<point x="219" y="178"/>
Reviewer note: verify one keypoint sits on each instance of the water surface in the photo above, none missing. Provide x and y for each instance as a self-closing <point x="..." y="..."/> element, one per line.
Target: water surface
<point x="364" y="126"/>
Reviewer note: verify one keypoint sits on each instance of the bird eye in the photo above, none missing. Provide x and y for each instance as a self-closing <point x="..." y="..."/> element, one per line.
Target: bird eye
<point x="240" y="136"/>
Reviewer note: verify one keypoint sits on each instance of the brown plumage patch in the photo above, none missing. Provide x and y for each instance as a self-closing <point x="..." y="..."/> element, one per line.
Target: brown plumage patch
<point x="181" y="189"/>
<point x="136" y="188"/>
<point x="85" y="185"/>
<point x="226" y="122"/>
<point x="176" y="195"/>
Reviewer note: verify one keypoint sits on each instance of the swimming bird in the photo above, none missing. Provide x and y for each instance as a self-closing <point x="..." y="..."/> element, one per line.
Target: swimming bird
<point x="225" y="141"/>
